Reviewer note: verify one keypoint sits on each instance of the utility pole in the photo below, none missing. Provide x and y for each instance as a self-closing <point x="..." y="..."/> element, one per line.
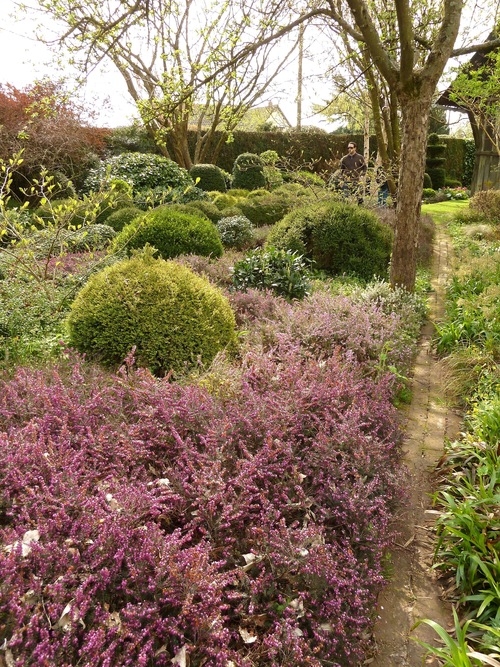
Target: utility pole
<point x="302" y="27"/>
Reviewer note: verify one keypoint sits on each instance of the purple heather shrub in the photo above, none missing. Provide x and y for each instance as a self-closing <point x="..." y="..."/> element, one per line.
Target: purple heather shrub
<point x="324" y="322"/>
<point x="242" y="529"/>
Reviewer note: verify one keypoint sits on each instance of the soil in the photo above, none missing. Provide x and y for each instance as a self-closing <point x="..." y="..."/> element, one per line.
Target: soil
<point x="414" y="592"/>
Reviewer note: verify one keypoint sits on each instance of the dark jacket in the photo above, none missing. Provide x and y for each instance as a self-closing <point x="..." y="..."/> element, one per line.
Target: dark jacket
<point x="353" y="167"/>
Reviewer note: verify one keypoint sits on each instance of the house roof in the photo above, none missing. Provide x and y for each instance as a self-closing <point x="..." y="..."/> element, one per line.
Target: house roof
<point x="252" y="119"/>
<point x="478" y="59"/>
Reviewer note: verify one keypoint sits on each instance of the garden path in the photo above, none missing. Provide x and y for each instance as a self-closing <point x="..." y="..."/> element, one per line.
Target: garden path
<point x="414" y="592"/>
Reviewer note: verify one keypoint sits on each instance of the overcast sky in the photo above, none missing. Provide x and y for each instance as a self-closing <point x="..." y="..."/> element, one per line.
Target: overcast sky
<point x="23" y="59"/>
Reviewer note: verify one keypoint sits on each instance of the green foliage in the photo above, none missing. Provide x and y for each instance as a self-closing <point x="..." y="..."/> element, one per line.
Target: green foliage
<point x="205" y="207"/>
<point x="172" y="233"/>
<point x="31" y="320"/>
<point x="427" y="181"/>
<point x="208" y="177"/>
<point x="122" y="217"/>
<point x="435" y="161"/>
<point x="154" y="197"/>
<point x="437" y="176"/>
<point x="284" y="272"/>
<point x="455" y="652"/>
<point x="173" y="318"/>
<point x="248" y="172"/>
<point x="130" y="139"/>
<point x="235" y="231"/>
<point x="428" y="193"/>
<point x="142" y="171"/>
<point x="339" y="237"/>
<point x="227" y="199"/>
<point x="265" y="208"/>
<point x="468" y="162"/>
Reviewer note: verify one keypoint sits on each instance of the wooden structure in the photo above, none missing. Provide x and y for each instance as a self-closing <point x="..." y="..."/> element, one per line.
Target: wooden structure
<point x="486" y="132"/>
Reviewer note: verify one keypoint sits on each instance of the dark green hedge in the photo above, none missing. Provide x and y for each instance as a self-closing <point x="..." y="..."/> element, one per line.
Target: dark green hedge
<point x="319" y="152"/>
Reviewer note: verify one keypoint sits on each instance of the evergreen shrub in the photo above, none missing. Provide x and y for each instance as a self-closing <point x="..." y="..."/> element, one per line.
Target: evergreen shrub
<point x="427" y="181"/>
<point x="248" y="172"/>
<point x="172" y="233"/>
<point x="435" y="161"/>
<point x="172" y="317"/>
<point x="228" y="199"/>
<point x="235" y="231"/>
<point x="339" y="237"/>
<point x="265" y="208"/>
<point x="284" y="272"/>
<point x="122" y="217"/>
<point x="207" y="207"/>
<point x="208" y="177"/>
<point x="141" y="170"/>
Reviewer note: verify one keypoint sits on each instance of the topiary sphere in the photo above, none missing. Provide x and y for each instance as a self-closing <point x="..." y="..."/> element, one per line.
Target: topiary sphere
<point x="208" y="177"/>
<point x="248" y="172"/>
<point x="339" y="237"/>
<point x="123" y="217"/>
<point x="172" y="233"/>
<point x="173" y="317"/>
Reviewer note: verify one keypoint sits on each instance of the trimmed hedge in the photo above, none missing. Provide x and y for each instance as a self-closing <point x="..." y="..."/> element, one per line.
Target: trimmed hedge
<point x="248" y="172"/>
<point x="122" y="217"/>
<point x="171" y="316"/>
<point x="210" y="177"/>
<point x="338" y="237"/>
<point x="172" y="233"/>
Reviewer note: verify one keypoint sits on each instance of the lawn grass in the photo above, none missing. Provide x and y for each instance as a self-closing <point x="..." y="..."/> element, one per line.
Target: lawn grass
<point x="444" y="210"/>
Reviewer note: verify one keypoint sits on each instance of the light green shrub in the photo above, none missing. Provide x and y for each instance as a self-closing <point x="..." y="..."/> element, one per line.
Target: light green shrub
<point x="172" y="317"/>
<point x="172" y="233"/>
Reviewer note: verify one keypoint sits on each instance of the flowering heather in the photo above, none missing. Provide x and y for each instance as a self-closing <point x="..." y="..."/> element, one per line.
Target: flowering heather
<point x="239" y="531"/>
<point x="364" y="327"/>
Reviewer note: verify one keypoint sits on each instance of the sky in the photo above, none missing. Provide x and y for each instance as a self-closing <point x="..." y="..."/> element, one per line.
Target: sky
<point x="23" y="59"/>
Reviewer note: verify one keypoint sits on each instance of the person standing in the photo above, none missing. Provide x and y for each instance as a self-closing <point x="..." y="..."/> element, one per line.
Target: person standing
<point x="352" y="170"/>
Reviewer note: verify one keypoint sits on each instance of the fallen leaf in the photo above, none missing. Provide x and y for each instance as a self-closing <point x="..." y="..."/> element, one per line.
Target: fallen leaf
<point x="247" y="637"/>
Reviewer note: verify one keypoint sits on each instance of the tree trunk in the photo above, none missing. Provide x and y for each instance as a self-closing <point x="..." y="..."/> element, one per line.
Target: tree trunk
<point x="415" y="114"/>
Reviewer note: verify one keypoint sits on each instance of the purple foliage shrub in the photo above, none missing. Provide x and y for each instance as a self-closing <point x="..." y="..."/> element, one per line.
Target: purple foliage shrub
<point x="241" y="531"/>
<point x="324" y="322"/>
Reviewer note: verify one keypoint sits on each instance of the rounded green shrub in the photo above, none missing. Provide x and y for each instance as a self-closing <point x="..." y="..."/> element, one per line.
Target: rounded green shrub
<point x="208" y="177"/>
<point x="172" y="317"/>
<point x="339" y="237"/>
<point x="248" y="172"/>
<point x="172" y="233"/>
<point x="223" y="200"/>
<point x="428" y="193"/>
<point x="265" y="208"/>
<point x="122" y="217"/>
<point x="142" y="171"/>
<point x="235" y="231"/>
<point x="427" y="181"/>
<point x="207" y="208"/>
